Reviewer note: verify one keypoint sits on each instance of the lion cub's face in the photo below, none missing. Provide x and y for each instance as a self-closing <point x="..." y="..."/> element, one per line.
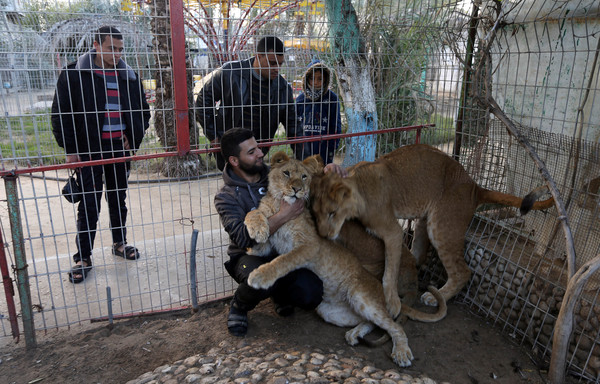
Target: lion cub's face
<point x="290" y="179"/>
<point x="331" y="204"/>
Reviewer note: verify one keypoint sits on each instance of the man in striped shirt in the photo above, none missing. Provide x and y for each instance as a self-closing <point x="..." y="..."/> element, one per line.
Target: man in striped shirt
<point x="100" y="112"/>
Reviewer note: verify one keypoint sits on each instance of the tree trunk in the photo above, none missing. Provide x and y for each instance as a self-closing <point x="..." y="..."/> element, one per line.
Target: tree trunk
<point x="164" y="116"/>
<point x="353" y="72"/>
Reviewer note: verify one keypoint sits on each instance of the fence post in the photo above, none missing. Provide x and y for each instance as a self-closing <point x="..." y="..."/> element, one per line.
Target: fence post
<point x="180" y="90"/>
<point x="193" y="280"/>
<point x="16" y="229"/>
<point x="9" y="291"/>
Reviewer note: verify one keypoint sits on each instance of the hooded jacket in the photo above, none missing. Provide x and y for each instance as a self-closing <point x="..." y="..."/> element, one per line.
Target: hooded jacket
<point x="79" y="105"/>
<point x="230" y="86"/>
<point x="235" y="199"/>
<point x="319" y="116"/>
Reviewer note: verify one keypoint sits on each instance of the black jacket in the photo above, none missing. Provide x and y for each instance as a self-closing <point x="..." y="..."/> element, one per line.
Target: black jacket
<point x="230" y="85"/>
<point x="235" y="199"/>
<point x="79" y="105"/>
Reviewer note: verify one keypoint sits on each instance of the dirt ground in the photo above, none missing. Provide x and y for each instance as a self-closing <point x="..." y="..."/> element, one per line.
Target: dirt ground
<point x="462" y="348"/>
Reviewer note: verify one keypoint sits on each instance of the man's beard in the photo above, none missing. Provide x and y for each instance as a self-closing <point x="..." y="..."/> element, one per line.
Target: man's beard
<point x="252" y="169"/>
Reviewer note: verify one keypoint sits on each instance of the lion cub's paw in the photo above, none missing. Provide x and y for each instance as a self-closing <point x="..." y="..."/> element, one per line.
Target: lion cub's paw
<point x="428" y="299"/>
<point x="258" y="226"/>
<point x="402" y="355"/>
<point x="262" y="249"/>
<point x="352" y="336"/>
<point x="393" y="304"/>
<point x="259" y="279"/>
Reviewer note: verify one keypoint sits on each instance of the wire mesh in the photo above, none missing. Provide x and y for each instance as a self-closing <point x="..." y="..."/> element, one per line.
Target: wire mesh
<point x="416" y="62"/>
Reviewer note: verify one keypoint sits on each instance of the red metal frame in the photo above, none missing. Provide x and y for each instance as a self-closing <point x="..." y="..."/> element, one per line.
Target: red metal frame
<point x="180" y="108"/>
<point x="9" y="291"/>
<point x="305" y="139"/>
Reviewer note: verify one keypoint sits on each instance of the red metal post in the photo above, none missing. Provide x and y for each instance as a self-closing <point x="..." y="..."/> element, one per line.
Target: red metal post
<point x="180" y="89"/>
<point x="9" y="291"/>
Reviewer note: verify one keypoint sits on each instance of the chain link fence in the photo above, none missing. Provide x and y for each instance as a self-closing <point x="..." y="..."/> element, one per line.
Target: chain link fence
<point x="463" y="67"/>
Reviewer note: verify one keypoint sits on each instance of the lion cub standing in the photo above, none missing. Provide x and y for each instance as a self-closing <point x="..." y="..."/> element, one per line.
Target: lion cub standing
<point x="412" y="182"/>
<point x="351" y="296"/>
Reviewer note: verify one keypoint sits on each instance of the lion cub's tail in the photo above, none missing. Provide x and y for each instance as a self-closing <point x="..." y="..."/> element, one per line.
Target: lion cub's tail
<point x="414" y="314"/>
<point x="425" y="317"/>
<point x="525" y="204"/>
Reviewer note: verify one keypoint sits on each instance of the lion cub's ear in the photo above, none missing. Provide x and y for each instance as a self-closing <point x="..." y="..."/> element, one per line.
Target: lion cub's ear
<point x="279" y="158"/>
<point x="339" y="191"/>
<point x="314" y="163"/>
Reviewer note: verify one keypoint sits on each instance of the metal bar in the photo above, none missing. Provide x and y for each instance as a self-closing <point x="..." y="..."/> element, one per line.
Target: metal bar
<point x="308" y="139"/>
<point x="467" y="82"/>
<point x="304" y="139"/>
<point x="9" y="291"/>
<point x="193" y="279"/>
<point x="46" y="168"/>
<point x="109" y="306"/>
<point x="180" y="89"/>
<point x="16" y="229"/>
<point x="143" y="314"/>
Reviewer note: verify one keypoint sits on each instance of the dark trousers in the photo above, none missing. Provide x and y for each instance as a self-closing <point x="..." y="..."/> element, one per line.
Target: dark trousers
<point x="88" y="210"/>
<point x="300" y="288"/>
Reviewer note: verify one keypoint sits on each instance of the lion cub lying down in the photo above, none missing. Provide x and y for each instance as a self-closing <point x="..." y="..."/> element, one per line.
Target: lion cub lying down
<point x="351" y="296"/>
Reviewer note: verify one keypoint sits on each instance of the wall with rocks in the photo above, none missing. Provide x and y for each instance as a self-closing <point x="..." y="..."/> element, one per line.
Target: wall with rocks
<point x="522" y="295"/>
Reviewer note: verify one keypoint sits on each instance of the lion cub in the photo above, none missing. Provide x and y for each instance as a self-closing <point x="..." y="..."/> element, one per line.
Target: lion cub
<point x="351" y="296"/>
<point x="412" y="182"/>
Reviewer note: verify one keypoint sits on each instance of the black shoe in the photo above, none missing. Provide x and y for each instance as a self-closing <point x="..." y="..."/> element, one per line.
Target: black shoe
<point x="284" y="310"/>
<point x="237" y="320"/>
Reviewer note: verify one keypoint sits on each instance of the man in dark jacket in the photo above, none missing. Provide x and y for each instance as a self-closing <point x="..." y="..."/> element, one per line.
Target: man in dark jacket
<point x="99" y="111"/>
<point x="246" y="180"/>
<point x="250" y="94"/>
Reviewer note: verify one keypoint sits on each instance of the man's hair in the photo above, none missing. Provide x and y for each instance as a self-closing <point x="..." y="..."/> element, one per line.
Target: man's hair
<point x="105" y="31"/>
<point x="231" y="140"/>
<point x="270" y="43"/>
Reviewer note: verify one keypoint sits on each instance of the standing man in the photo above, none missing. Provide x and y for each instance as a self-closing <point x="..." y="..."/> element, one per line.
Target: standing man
<point x="99" y="111"/>
<point x="252" y="95"/>
<point x="245" y="183"/>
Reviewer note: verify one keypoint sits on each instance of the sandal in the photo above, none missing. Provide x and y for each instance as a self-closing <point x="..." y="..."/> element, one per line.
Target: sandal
<point x="129" y="252"/>
<point x="79" y="272"/>
<point x="237" y="320"/>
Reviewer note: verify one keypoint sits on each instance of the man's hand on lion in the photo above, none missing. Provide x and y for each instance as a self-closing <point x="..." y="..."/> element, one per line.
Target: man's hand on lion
<point x="331" y="167"/>
<point x="286" y="213"/>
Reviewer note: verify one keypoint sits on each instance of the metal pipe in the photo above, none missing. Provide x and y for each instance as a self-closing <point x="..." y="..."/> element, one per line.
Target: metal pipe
<point x="9" y="291"/>
<point x="180" y="88"/>
<point x="109" y="306"/>
<point x="193" y="289"/>
<point x="16" y="229"/>
<point x="144" y="314"/>
<point x="303" y="139"/>
<point x="466" y="84"/>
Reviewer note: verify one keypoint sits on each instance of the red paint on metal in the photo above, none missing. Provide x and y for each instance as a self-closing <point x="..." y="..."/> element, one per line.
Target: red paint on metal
<point x="304" y="139"/>
<point x="9" y="291"/>
<point x="180" y="78"/>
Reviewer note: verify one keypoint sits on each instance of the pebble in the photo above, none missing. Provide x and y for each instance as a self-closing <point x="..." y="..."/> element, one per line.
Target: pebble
<point x="253" y="364"/>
